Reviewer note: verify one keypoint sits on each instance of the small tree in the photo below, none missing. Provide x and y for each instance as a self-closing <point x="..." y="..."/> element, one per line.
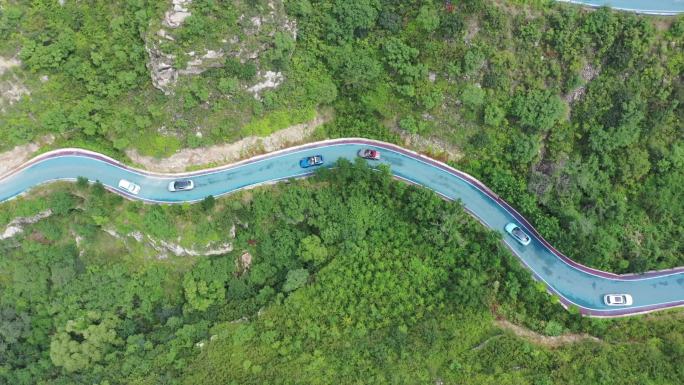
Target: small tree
<point x="537" y="110"/>
<point x="295" y="279"/>
<point x="428" y="18"/>
<point x="205" y="284"/>
<point x="208" y="203"/>
<point x="311" y="250"/>
<point x="81" y="182"/>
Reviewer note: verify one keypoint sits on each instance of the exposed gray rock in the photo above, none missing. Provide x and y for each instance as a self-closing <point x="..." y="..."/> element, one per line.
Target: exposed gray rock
<point x="174" y="17"/>
<point x="165" y="247"/>
<point x="243" y="264"/>
<point x="164" y="75"/>
<point x="161" y="68"/>
<point x="137" y="235"/>
<point x="588" y="73"/>
<point x="269" y="80"/>
<point x="246" y="46"/>
<point x="112" y="232"/>
<point x="13" y="91"/>
<point x="162" y="33"/>
<point x="210" y="59"/>
<point x="16" y="226"/>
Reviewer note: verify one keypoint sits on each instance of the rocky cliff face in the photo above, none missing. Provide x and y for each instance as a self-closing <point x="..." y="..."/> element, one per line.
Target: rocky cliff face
<point x="174" y="17"/>
<point x="255" y="37"/>
<point x="11" y="87"/>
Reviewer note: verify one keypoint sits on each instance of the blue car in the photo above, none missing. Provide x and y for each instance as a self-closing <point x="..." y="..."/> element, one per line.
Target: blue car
<point x="311" y="161"/>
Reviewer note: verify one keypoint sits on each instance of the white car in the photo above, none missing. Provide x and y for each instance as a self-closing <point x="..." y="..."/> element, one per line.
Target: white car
<point x="518" y="234"/>
<point x="129" y="187"/>
<point x="618" y="299"/>
<point x="181" y="185"/>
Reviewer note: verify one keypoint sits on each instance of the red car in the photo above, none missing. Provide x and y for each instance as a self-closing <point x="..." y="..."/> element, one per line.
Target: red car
<point x="367" y="153"/>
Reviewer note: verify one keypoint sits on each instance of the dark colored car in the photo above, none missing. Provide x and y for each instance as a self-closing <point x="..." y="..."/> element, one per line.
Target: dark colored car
<point x="181" y="185"/>
<point x="311" y="161"/>
<point x="368" y="153"/>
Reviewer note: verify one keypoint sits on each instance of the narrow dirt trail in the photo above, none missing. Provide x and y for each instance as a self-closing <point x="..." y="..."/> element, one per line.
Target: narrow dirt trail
<point x="539" y="339"/>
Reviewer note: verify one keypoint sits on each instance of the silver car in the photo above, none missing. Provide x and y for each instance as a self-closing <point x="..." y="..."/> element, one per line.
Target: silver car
<point x="181" y="185"/>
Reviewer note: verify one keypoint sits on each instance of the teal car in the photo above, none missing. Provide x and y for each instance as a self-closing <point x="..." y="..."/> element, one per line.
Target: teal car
<point x="516" y="232"/>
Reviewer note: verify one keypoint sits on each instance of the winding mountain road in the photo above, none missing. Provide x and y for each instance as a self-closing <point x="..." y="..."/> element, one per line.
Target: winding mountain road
<point x="572" y="282"/>
<point x="652" y="7"/>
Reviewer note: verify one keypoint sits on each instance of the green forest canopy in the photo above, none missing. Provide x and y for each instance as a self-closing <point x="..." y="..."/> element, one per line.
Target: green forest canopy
<point x="573" y="116"/>
<point x="333" y="294"/>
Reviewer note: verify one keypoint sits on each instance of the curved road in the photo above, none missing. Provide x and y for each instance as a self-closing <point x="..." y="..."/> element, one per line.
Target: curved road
<point x="575" y="284"/>
<point x="653" y="7"/>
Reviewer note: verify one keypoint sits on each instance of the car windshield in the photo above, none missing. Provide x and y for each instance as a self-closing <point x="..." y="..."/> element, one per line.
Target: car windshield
<point x="519" y="233"/>
<point x="182" y="184"/>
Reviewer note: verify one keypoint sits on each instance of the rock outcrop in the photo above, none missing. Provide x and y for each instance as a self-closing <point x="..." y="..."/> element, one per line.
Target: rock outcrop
<point x="269" y="80"/>
<point x="173" y="18"/>
<point x="17" y="225"/>
<point x="165" y="247"/>
<point x="246" y="46"/>
<point x="161" y="68"/>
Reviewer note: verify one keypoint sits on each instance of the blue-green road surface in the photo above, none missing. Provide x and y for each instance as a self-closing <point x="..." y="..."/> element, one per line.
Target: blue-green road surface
<point x="573" y="283"/>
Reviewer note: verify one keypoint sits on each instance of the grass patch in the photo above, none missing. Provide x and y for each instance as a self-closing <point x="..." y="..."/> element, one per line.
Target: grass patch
<point x="278" y="120"/>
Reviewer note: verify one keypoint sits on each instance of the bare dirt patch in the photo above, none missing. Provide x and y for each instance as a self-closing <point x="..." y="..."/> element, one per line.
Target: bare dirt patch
<point x="6" y="64"/>
<point x="243" y="263"/>
<point x="11" y="87"/>
<point x="432" y="146"/>
<point x="539" y="339"/>
<point x="20" y="154"/>
<point x="230" y="152"/>
<point x="471" y="31"/>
